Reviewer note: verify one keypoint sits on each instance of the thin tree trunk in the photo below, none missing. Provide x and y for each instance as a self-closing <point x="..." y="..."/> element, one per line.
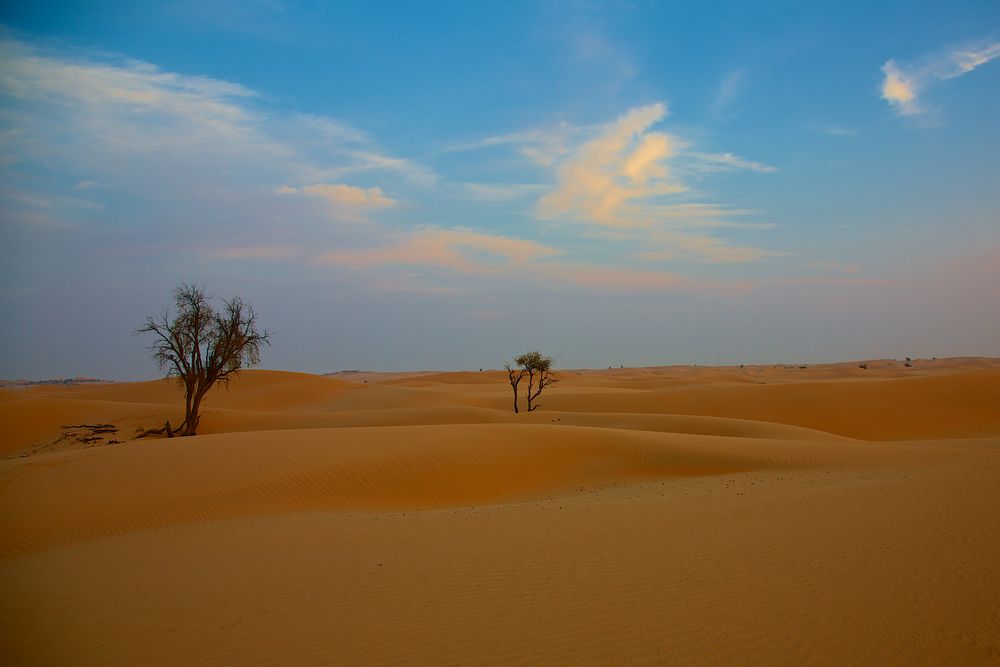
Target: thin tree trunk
<point x="531" y="384"/>
<point x="515" y="380"/>
<point x="189" y="389"/>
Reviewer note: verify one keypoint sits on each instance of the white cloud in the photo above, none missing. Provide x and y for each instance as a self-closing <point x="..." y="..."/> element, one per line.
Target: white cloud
<point x="157" y="134"/>
<point x="199" y="154"/>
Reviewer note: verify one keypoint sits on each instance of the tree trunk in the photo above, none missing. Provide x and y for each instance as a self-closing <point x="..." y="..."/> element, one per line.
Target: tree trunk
<point x="192" y="419"/>
<point x="189" y="390"/>
<point x="515" y="380"/>
<point x="531" y="386"/>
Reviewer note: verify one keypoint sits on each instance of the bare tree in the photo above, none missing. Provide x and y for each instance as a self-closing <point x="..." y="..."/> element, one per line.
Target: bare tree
<point x="202" y="346"/>
<point x="514" y="376"/>
<point x="538" y="368"/>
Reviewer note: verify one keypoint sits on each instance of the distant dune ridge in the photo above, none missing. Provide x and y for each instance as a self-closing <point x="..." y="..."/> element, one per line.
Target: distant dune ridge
<point x="760" y="515"/>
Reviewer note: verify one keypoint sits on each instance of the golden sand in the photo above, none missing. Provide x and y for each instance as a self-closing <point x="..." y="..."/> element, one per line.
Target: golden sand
<point x="681" y="515"/>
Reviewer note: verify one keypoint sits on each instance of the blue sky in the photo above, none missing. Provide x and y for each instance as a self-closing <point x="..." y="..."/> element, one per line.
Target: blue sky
<point x="444" y="185"/>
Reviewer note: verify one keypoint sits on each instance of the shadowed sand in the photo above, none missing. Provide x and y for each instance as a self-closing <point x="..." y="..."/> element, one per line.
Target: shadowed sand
<point x="679" y="515"/>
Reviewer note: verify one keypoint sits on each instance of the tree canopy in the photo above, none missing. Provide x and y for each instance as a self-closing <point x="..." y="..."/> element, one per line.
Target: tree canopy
<point x="538" y="369"/>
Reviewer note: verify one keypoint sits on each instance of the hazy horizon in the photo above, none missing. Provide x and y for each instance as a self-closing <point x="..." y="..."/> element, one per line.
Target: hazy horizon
<point x="437" y="186"/>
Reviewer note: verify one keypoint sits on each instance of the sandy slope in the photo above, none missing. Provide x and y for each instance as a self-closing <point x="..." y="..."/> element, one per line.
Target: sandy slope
<point x="670" y="515"/>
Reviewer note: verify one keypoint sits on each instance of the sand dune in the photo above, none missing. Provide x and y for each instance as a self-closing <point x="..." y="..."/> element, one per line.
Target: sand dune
<point x="882" y="409"/>
<point x="667" y="515"/>
<point x="937" y="401"/>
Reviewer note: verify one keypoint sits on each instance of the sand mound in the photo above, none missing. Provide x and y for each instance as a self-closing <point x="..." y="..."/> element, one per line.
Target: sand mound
<point x="953" y="405"/>
<point x="942" y="402"/>
<point x="80" y="495"/>
<point x="648" y="516"/>
<point x="109" y="490"/>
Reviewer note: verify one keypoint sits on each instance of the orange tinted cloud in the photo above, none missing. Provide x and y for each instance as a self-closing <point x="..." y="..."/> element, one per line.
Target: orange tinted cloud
<point x="899" y="89"/>
<point x="619" y="165"/>
<point x="347" y="202"/>
<point x="901" y="85"/>
<point x="457" y="249"/>
<point x="667" y="245"/>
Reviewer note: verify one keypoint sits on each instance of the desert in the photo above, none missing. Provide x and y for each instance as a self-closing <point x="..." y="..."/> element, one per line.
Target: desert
<point x="533" y="332"/>
<point x="681" y="515"/>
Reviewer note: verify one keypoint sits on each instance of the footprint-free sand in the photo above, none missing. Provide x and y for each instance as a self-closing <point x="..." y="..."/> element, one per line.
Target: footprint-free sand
<point x="763" y="515"/>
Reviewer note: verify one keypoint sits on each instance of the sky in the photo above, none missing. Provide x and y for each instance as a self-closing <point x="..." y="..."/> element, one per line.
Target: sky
<point x="444" y="185"/>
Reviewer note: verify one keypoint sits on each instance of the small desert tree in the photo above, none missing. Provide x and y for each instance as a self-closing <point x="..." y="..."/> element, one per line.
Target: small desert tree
<point x="203" y="346"/>
<point x="538" y="368"/>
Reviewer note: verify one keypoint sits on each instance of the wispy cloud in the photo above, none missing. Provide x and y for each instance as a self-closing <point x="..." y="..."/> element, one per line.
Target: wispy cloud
<point x="623" y="178"/>
<point x="456" y="249"/>
<point x="161" y="135"/>
<point x="969" y="59"/>
<point x="368" y="160"/>
<point x="623" y="163"/>
<point x="723" y="162"/>
<point x="728" y="92"/>
<point x="902" y="85"/>
<point x="613" y="279"/>
<point x="417" y="261"/>
<point x="673" y="245"/>
<point x="620" y="176"/>
<point x="702" y="216"/>
<point x="542" y="146"/>
<point x="833" y="130"/>
<point x="346" y="202"/>
<point x="212" y="156"/>
<point x="498" y="192"/>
